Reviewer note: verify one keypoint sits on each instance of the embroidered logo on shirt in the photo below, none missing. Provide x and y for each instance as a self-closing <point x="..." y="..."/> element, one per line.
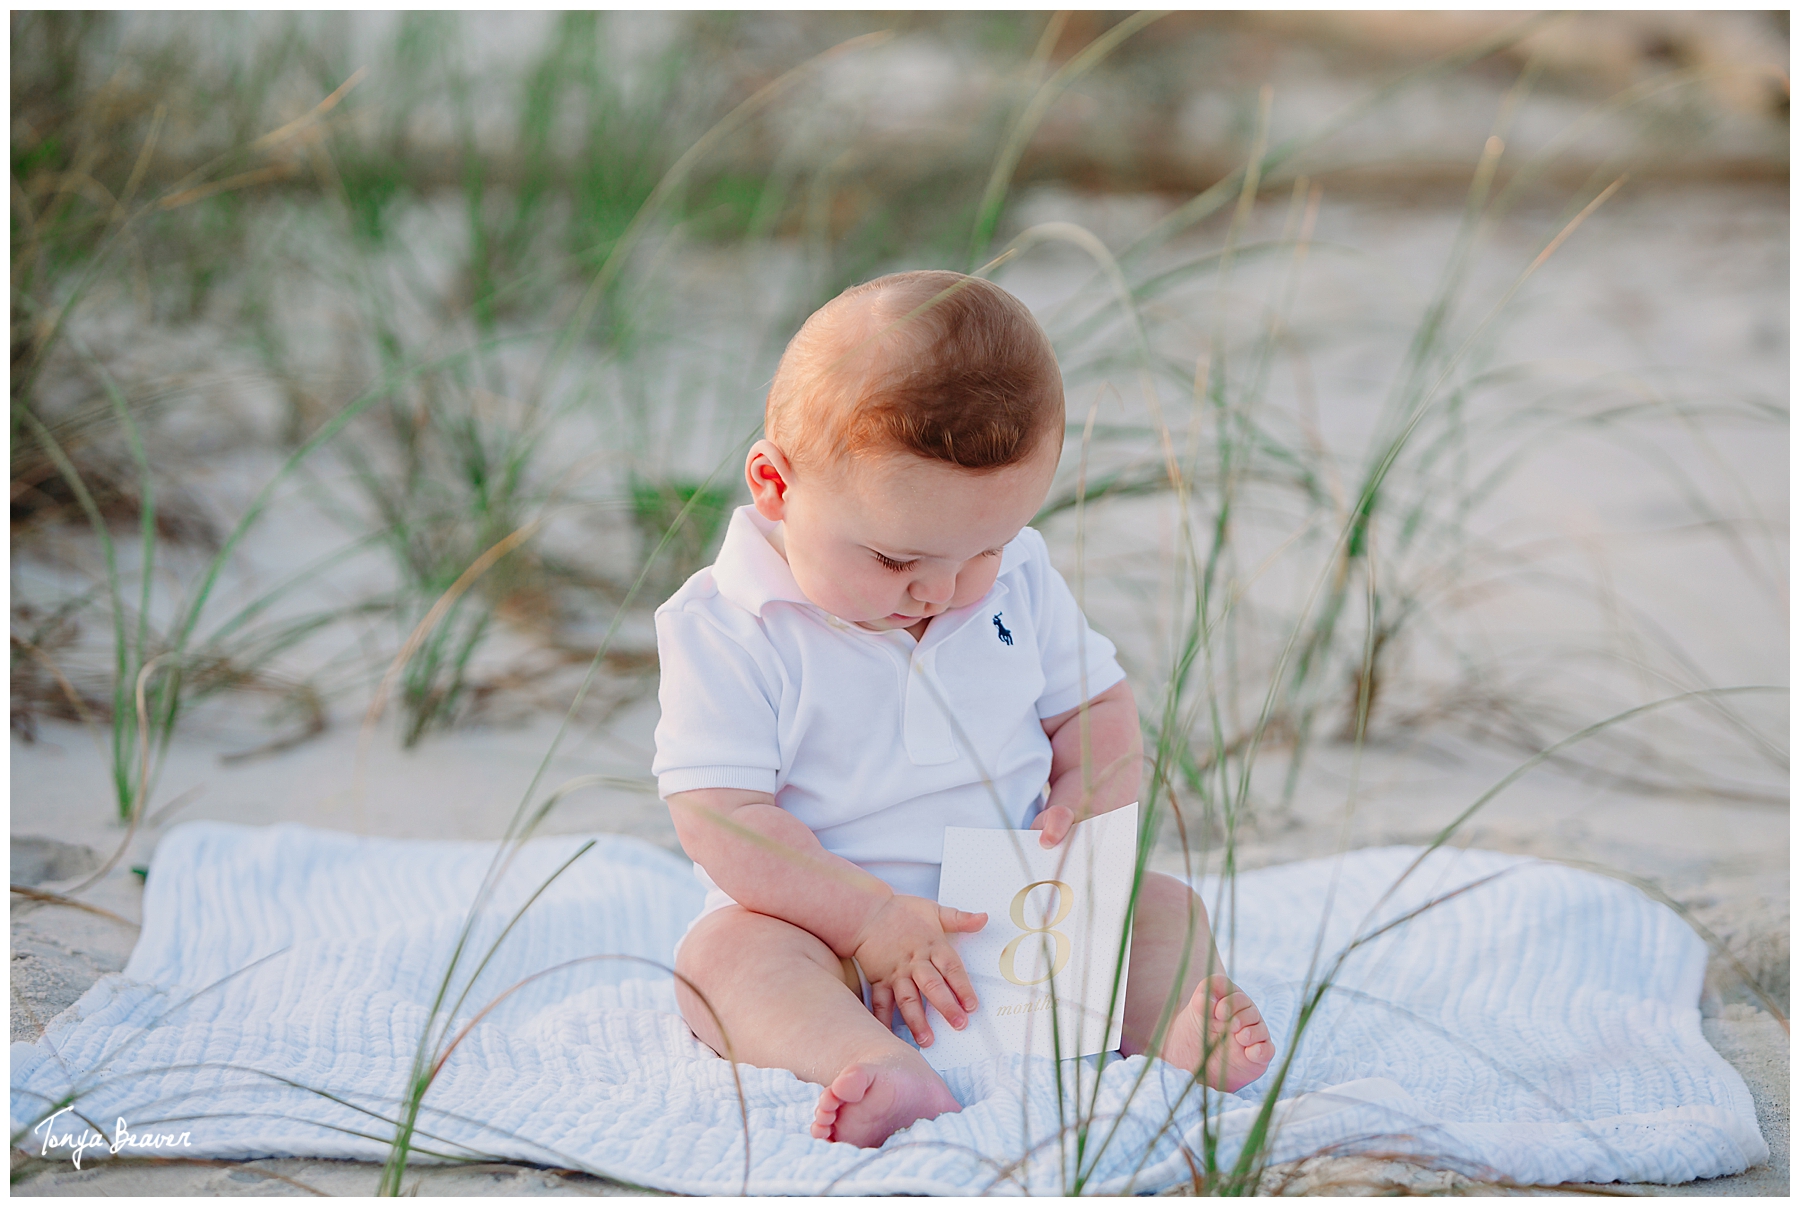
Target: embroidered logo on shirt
<point x="1004" y="632"/>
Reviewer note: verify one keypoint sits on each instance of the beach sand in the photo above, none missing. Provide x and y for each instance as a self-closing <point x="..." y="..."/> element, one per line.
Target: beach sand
<point x="1703" y="856"/>
<point x="1681" y="278"/>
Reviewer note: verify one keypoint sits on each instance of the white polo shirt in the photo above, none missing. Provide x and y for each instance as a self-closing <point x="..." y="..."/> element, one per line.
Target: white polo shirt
<point x="875" y="741"/>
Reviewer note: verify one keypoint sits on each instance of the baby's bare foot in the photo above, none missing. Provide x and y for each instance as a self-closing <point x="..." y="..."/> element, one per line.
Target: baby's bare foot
<point x="870" y="1101"/>
<point x="1221" y="1024"/>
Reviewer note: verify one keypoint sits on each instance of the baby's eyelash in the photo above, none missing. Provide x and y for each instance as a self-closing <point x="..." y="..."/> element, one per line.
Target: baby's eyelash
<point x="897" y="567"/>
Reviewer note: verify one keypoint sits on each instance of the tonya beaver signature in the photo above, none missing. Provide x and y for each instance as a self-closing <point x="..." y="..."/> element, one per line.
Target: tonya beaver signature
<point x="123" y="1138"/>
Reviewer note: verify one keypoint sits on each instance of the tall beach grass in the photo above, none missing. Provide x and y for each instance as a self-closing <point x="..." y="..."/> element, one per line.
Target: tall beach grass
<point x="515" y="353"/>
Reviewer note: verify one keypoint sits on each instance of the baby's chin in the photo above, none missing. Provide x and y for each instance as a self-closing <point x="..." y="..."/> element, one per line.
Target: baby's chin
<point x="887" y="624"/>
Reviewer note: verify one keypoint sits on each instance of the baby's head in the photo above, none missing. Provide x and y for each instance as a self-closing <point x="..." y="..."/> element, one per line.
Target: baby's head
<point x="913" y="427"/>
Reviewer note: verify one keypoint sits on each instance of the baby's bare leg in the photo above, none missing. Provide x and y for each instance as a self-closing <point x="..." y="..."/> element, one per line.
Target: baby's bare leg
<point x="780" y="995"/>
<point x="1204" y="1017"/>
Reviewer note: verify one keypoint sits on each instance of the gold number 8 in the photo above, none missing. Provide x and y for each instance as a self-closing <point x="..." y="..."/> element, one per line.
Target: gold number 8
<point x="1065" y="901"/>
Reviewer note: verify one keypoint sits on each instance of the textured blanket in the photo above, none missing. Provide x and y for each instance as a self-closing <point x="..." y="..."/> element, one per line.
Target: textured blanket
<point x="1540" y="1026"/>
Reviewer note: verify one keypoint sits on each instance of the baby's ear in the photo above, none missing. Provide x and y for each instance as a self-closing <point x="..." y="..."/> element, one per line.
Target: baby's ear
<point x="767" y="471"/>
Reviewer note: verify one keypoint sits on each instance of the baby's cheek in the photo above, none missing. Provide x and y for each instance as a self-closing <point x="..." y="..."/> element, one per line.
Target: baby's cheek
<point x="843" y="597"/>
<point x="973" y="583"/>
<point x="861" y="596"/>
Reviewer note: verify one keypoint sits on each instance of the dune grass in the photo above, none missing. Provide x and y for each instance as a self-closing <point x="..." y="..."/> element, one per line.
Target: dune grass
<point x="527" y="325"/>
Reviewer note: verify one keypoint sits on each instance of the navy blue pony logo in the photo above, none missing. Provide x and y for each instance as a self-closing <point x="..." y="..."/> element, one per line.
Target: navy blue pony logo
<point x="1005" y="633"/>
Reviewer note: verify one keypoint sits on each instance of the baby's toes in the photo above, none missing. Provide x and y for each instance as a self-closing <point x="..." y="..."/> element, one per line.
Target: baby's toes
<point x="825" y="1115"/>
<point x="1237" y="1009"/>
<point x="1253" y="1038"/>
<point x="1246" y="1022"/>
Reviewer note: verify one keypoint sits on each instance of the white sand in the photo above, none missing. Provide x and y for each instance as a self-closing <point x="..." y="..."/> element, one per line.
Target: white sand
<point x="1703" y="302"/>
<point x="57" y="951"/>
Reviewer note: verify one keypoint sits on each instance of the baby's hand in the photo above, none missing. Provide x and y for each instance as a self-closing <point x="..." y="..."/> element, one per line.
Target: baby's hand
<point x="905" y="954"/>
<point x="1055" y="822"/>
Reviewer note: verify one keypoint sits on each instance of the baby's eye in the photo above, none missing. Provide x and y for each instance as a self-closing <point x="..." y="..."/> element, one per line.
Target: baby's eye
<point x="893" y="565"/>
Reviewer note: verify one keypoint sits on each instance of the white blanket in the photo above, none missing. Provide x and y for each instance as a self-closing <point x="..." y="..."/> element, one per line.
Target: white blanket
<point x="1541" y="1026"/>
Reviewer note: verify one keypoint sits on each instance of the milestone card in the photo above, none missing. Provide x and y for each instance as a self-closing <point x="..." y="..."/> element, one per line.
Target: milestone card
<point x="1044" y="964"/>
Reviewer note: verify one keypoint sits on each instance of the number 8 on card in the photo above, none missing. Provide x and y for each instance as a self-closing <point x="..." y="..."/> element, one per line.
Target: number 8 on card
<point x="1065" y="901"/>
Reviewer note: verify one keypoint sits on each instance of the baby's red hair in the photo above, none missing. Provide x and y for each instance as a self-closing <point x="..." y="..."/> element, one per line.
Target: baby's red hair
<point x="937" y="364"/>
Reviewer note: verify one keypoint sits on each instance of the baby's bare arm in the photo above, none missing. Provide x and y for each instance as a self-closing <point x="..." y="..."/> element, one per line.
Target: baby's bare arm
<point x="769" y="862"/>
<point x="1113" y="762"/>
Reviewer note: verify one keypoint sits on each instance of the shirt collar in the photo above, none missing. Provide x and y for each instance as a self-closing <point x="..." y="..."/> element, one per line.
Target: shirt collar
<point x="749" y="571"/>
<point x="752" y="574"/>
<point x="1011" y="554"/>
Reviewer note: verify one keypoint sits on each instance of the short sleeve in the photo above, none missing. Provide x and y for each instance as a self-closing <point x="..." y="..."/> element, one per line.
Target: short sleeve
<point x="1078" y="663"/>
<point x="719" y="709"/>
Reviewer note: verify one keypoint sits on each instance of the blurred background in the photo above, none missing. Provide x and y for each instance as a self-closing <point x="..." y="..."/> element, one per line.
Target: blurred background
<point x="375" y="375"/>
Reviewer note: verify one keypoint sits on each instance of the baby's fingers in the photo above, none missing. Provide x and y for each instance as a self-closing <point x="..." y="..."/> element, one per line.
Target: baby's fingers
<point x="881" y="1000"/>
<point x="906" y="995"/>
<point x="1054" y="822"/>
<point x="952" y="968"/>
<point x="956" y="921"/>
<point x="938" y="994"/>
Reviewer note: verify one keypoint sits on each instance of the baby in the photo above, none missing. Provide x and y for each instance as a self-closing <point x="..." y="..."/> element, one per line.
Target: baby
<point x="883" y="649"/>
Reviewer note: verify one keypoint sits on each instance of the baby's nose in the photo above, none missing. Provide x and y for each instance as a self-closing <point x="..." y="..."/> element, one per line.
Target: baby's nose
<point x="933" y="589"/>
